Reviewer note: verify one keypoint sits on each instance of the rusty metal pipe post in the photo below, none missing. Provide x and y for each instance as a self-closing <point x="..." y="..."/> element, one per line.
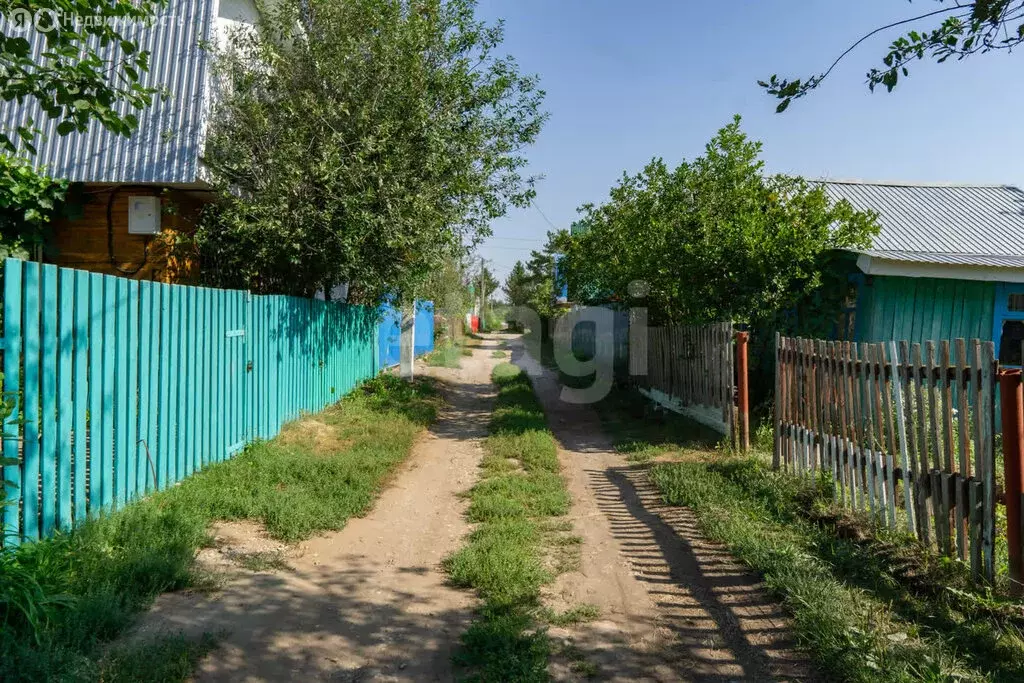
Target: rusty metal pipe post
<point x="1012" y="395"/>
<point x="742" y="389"/>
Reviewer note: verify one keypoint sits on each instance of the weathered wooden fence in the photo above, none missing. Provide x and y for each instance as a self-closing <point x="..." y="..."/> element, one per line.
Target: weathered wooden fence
<point x="690" y="370"/>
<point x="122" y="388"/>
<point x="905" y="432"/>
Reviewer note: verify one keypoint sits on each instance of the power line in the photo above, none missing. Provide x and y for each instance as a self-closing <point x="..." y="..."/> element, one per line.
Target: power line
<point x="542" y="215"/>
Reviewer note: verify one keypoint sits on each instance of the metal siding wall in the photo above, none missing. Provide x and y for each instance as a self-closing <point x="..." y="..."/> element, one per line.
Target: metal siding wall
<point x="153" y="382"/>
<point x="179" y="63"/>
<point x="424" y="332"/>
<point x="389" y="332"/>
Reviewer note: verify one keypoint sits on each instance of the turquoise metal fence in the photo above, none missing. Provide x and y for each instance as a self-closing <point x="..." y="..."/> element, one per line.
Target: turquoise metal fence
<point x="123" y="388"/>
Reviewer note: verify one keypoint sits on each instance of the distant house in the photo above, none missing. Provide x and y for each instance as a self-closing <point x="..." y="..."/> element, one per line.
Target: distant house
<point x="140" y="191"/>
<point x="948" y="263"/>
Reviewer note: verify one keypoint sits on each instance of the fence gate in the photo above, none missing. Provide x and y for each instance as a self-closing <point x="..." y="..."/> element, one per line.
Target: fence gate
<point x="904" y="430"/>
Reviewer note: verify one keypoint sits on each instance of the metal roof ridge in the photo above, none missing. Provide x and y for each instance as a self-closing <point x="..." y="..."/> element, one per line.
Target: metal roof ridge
<point x="872" y="250"/>
<point x="910" y="183"/>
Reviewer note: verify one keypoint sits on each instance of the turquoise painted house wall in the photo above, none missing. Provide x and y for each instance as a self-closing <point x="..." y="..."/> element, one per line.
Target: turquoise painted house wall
<point x="924" y="309"/>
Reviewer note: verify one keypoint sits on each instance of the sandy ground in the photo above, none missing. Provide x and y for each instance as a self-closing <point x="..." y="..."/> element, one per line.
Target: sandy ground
<point x="674" y="607"/>
<point x="367" y="603"/>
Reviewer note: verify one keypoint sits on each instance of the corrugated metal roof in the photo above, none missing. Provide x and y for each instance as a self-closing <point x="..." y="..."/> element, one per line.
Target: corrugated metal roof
<point x="166" y="146"/>
<point x="979" y="225"/>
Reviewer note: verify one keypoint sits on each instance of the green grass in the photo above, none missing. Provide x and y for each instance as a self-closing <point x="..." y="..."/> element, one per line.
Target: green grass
<point x="867" y="609"/>
<point x="577" y="614"/>
<point x="869" y="605"/>
<point x="642" y="431"/>
<point x="91" y="583"/>
<point x="446" y="355"/>
<point x="170" y="660"/>
<point x="270" y="561"/>
<point x="498" y="354"/>
<point x="516" y="545"/>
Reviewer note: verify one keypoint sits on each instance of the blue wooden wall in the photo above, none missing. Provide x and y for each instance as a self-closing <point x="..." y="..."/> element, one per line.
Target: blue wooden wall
<point x="121" y="388"/>
<point x="924" y="309"/>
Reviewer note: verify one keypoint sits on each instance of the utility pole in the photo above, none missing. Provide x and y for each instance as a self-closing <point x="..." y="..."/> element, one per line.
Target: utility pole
<point x="483" y="292"/>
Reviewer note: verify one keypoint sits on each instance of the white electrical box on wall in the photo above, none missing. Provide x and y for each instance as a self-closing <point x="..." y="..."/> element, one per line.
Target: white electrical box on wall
<point x="143" y="215"/>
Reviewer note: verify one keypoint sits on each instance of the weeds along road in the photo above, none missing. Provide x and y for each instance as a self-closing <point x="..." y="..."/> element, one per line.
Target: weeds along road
<point x="369" y="602"/>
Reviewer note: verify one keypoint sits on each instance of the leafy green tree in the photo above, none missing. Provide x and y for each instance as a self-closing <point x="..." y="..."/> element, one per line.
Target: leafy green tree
<point x="367" y="158"/>
<point x="28" y="203"/>
<point x="447" y="288"/>
<point x="714" y="239"/>
<point x="490" y="283"/>
<point x="518" y="286"/>
<point x="965" y="29"/>
<point x="88" y="66"/>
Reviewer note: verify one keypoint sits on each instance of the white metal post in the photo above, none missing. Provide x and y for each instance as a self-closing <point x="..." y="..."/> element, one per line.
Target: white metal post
<point x="406" y="345"/>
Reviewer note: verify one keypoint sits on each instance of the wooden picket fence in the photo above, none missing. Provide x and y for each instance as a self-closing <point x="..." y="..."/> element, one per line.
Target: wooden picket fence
<point x="904" y="431"/>
<point x="690" y="370"/>
<point x="121" y="388"/>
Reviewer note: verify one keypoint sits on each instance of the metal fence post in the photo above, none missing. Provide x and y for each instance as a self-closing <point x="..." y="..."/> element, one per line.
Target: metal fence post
<point x="742" y="389"/>
<point x="1013" y="447"/>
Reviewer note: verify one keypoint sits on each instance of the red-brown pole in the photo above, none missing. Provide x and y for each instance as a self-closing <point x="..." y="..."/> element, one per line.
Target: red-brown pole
<point x="742" y="390"/>
<point x="1012" y="397"/>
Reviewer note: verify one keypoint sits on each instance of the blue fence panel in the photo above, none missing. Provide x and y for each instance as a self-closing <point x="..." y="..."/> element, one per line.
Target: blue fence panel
<point x="124" y="388"/>
<point x="389" y="332"/>
<point x="423" y="337"/>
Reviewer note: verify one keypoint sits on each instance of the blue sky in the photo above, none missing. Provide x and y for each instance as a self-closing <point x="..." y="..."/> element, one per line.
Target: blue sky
<point x="628" y="80"/>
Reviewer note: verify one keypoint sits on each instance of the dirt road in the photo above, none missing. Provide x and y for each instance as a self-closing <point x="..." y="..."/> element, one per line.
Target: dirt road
<point x="368" y="603"/>
<point x="673" y="606"/>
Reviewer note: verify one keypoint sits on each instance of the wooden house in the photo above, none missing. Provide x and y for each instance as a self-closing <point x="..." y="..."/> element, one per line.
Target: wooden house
<point x="948" y="263"/>
<point x="139" y="194"/>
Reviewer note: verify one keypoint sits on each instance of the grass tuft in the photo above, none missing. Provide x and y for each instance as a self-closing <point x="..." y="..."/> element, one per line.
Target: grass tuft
<point x="168" y="660"/>
<point x="577" y="614"/>
<point x="269" y="561"/>
<point x="446" y="355"/>
<point x="520" y="496"/>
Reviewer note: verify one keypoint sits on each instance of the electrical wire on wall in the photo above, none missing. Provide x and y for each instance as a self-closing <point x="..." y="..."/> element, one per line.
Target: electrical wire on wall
<point x="110" y="231"/>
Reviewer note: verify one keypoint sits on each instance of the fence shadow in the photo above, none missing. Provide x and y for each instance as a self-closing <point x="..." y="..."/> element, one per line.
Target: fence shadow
<point x="724" y="626"/>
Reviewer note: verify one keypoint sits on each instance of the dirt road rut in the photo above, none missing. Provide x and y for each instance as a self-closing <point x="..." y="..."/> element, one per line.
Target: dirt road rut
<point x="367" y="603"/>
<point x="674" y="607"/>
